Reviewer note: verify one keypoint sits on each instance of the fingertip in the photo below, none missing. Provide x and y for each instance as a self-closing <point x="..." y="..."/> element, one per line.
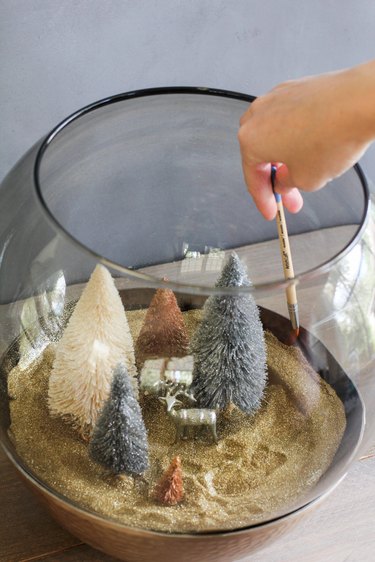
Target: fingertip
<point x="265" y="202"/>
<point x="259" y="186"/>
<point x="268" y="210"/>
<point x="293" y="200"/>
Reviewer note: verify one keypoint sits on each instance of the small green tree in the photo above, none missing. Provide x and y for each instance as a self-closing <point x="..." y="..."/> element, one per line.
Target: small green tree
<point x="229" y="347"/>
<point x="119" y="441"/>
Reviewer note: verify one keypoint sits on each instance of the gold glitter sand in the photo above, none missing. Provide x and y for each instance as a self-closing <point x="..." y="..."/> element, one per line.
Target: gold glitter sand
<point x="261" y="463"/>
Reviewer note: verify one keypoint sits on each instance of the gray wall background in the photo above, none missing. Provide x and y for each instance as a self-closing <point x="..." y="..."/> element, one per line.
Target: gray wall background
<point x="58" y="55"/>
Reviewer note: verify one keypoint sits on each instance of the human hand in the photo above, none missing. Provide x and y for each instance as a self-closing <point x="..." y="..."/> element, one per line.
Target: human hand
<point x="313" y="129"/>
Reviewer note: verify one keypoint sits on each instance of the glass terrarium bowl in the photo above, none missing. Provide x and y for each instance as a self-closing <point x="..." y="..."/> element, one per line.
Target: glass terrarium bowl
<point x="149" y="185"/>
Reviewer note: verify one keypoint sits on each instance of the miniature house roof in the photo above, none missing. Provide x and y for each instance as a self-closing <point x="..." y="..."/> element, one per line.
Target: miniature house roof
<point x="173" y="369"/>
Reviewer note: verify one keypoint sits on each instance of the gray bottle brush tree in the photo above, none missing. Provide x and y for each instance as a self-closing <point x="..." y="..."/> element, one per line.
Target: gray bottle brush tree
<point x="119" y="441"/>
<point x="229" y="348"/>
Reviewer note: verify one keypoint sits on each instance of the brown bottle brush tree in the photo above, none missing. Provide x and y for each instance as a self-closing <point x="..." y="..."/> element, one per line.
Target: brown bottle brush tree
<point x="163" y="333"/>
<point x="170" y="490"/>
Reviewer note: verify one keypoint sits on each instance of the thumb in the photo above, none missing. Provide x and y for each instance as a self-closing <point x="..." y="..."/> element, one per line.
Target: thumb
<point x="284" y="180"/>
<point x="292" y="199"/>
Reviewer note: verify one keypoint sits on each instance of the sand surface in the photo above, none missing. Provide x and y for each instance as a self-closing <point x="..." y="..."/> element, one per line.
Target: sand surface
<point x="261" y="464"/>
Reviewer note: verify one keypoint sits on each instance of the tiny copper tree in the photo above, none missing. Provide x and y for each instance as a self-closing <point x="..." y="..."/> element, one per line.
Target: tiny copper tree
<point x="170" y="490"/>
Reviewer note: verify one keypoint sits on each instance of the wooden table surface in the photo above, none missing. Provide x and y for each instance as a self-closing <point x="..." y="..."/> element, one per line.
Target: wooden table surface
<point x="342" y="529"/>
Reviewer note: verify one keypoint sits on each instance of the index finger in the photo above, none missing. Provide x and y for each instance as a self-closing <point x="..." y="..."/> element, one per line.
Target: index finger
<point x="257" y="178"/>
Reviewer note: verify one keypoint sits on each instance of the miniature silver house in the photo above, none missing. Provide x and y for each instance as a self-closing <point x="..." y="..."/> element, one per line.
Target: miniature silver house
<point x="156" y="374"/>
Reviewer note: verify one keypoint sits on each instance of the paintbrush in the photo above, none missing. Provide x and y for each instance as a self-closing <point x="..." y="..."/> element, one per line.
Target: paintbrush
<point x="286" y="257"/>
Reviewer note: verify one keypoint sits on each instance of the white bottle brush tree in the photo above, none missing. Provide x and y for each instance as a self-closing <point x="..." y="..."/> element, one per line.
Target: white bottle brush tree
<point x="229" y="347"/>
<point x="119" y="441"/>
<point x="95" y="340"/>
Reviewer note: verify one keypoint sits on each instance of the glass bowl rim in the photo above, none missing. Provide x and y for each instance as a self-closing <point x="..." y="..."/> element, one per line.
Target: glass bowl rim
<point x="155" y="281"/>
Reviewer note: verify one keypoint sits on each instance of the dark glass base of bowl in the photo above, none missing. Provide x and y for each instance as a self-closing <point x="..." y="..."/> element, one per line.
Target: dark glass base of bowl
<point x="138" y="545"/>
